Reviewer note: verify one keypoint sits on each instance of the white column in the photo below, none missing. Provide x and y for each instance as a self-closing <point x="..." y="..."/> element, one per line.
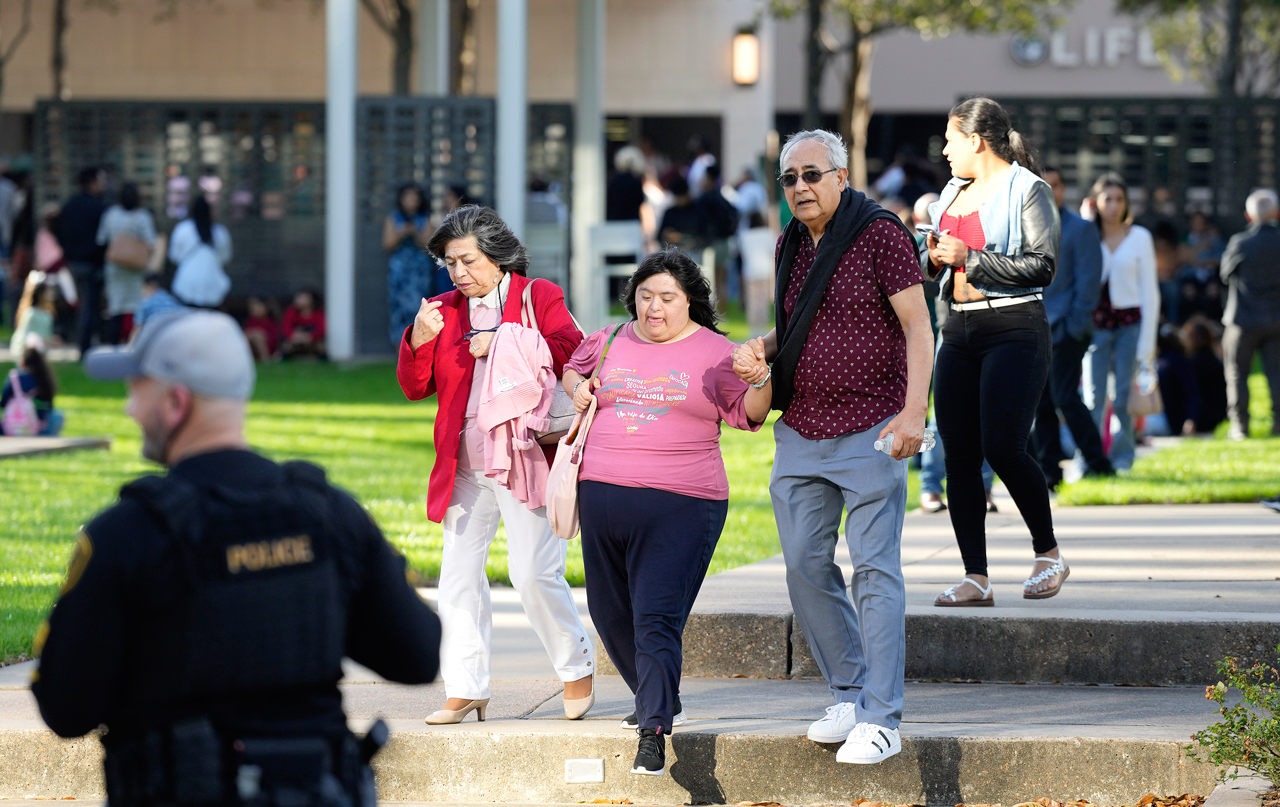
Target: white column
<point x="340" y="177"/>
<point x="749" y="111"/>
<point x="513" y="111"/>
<point x="588" y="161"/>
<point x="433" y="47"/>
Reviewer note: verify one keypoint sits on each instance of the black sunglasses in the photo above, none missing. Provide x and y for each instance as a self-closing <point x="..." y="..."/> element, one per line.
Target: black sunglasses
<point x="810" y="177"/>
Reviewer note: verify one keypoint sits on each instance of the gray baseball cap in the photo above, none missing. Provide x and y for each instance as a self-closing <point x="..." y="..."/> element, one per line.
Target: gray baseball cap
<point x="204" y="351"/>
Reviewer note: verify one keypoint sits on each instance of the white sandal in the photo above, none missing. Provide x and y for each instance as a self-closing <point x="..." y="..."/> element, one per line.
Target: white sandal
<point x="1058" y="566"/>
<point x="988" y="599"/>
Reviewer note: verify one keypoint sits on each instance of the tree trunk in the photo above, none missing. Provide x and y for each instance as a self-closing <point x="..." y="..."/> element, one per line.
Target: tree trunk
<point x="814" y="63"/>
<point x="462" y="33"/>
<point x="59" y="59"/>
<point x="402" y="61"/>
<point x="1230" y="68"/>
<point x="857" y="106"/>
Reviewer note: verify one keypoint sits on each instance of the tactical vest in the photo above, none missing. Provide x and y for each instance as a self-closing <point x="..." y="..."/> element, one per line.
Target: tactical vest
<point x="264" y="610"/>
<point x="265" y="607"/>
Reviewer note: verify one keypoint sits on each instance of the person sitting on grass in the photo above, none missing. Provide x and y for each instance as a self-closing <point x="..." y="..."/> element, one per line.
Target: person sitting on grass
<point x="304" y="326"/>
<point x="36" y="314"/>
<point x="155" y="300"/>
<point x="37" y="380"/>
<point x="262" y="329"/>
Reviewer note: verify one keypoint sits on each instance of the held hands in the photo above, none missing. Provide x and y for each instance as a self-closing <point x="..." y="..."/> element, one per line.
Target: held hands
<point x="427" y="324"/>
<point x="946" y="250"/>
<point x="583" y="394"/>
<point x="749" y="363"/>
<point x="480" y="344"/>
<point x="908" y="434"/>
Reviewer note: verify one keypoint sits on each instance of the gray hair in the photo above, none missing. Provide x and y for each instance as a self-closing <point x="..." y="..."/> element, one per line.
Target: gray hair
<point x="1261" y="204"/>
<point x="920" y="213"/>
<point x="630" y="160"/>
<point x="493" y="237"/>
<point x="837" y="154"/>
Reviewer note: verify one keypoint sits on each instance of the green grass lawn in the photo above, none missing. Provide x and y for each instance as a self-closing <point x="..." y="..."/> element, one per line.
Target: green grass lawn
<point x="354" y="421"/>
<point x="1198" y="471"/>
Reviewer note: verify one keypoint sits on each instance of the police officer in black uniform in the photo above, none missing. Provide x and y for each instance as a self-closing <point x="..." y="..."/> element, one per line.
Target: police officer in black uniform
<point x="206" y="613"/>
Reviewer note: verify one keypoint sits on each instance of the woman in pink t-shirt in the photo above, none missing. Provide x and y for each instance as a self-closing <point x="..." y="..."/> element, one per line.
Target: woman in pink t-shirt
<point x="653" y="495"/>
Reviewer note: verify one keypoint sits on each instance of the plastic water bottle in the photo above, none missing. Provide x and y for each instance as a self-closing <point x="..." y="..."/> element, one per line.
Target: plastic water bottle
<point x="885" y="443"/>
<point x="1146" y="378"/>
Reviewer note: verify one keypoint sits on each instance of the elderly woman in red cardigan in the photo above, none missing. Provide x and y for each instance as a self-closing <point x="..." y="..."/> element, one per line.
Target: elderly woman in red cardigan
<point x="444" y="353"/>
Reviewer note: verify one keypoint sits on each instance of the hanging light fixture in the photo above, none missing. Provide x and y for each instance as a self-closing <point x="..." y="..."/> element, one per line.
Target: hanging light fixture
<point x="746" y="57"/>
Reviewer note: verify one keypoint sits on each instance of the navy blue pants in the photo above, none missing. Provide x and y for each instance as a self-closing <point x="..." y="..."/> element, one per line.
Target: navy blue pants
<point x="646" y="553"/>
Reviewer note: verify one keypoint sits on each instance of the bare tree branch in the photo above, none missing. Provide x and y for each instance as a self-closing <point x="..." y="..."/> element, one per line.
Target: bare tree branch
<point x="380" y="17"/>
<point x="21" y="35"/>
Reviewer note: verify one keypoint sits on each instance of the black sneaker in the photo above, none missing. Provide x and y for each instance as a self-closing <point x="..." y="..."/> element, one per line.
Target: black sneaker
<point x="631" y="723"/>
<point x="651" y="756"/>
<point x="1272" y="503"/>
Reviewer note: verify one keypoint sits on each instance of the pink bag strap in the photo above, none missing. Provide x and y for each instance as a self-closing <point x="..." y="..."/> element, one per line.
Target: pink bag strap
<point x="528" y="318"/>
<point x="16" y="383"/>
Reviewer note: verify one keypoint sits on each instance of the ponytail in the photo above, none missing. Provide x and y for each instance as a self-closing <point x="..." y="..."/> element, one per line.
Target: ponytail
<point x="1022" y="153"/>
<point x="988" y="120"/>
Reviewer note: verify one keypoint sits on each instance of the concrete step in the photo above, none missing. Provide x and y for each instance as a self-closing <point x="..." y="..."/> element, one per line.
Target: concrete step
<point x="744" y="742"/>
<point x="33" y="446"/>
<point x="1157" y="595"/>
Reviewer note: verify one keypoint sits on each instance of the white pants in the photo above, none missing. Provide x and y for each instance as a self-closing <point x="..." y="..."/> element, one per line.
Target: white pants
<point x="536" y="562"/>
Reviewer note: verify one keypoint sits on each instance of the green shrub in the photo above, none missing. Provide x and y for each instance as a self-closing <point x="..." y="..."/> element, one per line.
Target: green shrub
<point x="1248" y="735"/>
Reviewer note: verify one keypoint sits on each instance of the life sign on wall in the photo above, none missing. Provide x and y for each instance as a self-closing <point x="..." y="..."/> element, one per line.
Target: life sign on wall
<point x="1109" y="46"/>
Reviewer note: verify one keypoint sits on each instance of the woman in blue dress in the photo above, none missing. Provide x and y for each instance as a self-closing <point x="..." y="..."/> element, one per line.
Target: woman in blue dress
<point x="410" y="270"/>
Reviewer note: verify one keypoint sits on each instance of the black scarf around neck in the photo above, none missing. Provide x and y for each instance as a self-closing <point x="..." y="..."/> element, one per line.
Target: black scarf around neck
<point x="853" y="215"/>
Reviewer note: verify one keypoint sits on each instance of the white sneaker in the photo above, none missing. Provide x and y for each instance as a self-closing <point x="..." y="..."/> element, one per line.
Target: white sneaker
<point x="837" y="724"/>
<point x="869" y="744"/>
<point x="631" y="723"/>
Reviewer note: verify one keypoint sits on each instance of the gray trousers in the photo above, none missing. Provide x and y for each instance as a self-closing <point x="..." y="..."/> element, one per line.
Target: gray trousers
<point x="1238" y="347"/>
<point x="860" y="647"/>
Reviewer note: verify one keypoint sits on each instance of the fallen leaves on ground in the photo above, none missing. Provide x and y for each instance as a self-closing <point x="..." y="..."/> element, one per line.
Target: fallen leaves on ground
<point x="1271" y="798"/>
<point x="1149" y="800"/>
<point x="606" y="801"/>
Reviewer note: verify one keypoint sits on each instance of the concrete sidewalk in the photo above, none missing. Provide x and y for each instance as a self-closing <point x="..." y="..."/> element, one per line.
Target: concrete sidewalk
<point x="31" y="446"/>
<point x="744" y="742"/>
<point x="1157" y="594"/>
<point x="1141" y="578"/>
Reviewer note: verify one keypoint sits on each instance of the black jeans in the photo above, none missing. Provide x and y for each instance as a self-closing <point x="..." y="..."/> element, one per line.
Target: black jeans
<point x="990" y="375"/>
<point x="646" y="553"/>
<point x="88" y="277"/>
<point x="1062" y="394"/>
<point x="1238" y="346"/>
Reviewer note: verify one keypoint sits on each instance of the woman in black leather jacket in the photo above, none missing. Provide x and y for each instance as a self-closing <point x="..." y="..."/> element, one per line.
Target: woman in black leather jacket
<point x="996" y="249"/>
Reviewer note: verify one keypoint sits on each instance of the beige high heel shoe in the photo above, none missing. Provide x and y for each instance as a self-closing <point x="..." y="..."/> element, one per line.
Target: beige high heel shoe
<point x="446" y="716"/>
<point x="577" y="708"/>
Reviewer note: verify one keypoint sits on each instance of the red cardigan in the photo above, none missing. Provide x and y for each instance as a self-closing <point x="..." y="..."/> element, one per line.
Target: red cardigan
<point x="444" y="367"/>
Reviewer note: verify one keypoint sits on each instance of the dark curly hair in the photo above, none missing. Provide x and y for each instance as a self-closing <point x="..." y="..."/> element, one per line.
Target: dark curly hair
<point x="988" y="120"/>
<point x="671" y="261"/>
<point x="493" y="237"/>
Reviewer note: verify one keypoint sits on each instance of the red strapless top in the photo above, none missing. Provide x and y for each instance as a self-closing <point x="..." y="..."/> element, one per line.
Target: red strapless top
<point x="968" y="228"/>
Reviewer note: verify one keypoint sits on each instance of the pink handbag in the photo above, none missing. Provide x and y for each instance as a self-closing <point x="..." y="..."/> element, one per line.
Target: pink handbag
<point x="562" y="480"/>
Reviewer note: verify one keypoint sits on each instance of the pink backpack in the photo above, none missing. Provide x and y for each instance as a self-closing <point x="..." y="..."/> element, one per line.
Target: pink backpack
<point x="20" y="419"/>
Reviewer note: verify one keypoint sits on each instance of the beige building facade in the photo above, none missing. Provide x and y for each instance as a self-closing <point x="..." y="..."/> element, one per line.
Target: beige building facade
<point x="665" y="58"/>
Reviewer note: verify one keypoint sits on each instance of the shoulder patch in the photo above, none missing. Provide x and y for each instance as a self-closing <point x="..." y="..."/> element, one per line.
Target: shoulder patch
<point x="80" y="557"/>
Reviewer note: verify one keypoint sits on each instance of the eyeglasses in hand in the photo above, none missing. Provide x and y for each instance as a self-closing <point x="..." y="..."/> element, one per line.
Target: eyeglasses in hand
<point x="810" y="177"/>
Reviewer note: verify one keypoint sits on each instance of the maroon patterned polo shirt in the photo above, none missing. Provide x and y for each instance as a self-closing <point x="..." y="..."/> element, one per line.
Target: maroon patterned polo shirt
<point x="852" y="373"/>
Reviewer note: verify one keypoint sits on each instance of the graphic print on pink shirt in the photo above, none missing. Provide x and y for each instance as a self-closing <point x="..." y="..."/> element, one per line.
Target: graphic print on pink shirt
<point x="638" y="400"/>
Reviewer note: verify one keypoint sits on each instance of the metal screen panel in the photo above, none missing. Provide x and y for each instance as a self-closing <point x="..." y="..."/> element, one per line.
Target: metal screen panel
<point x="1208" y="153"/>
<point x="260" y="164"/>
<point x="547" y="218"/>
<point x="435" y="142"/>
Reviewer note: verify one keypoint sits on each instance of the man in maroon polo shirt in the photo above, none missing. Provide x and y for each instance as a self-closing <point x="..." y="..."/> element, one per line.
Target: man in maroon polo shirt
<point x="852" y="355"/>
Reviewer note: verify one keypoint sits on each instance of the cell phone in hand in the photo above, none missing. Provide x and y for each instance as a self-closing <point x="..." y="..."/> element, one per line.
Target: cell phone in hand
<point x="925" y="229"/>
